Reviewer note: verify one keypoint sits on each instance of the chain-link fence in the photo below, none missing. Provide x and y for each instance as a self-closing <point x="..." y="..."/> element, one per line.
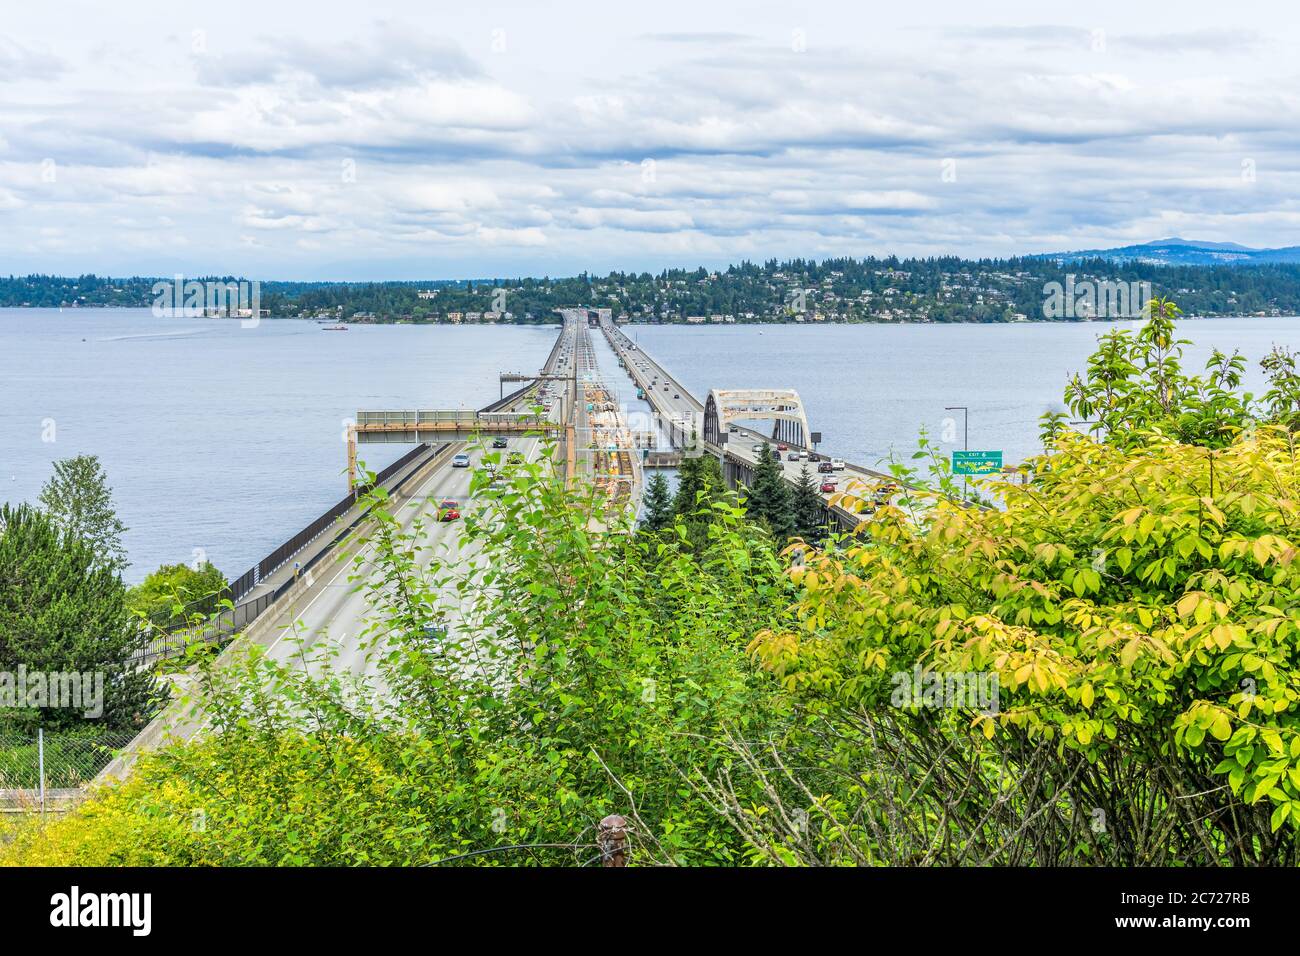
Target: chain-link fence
<point x="35" y="765"/>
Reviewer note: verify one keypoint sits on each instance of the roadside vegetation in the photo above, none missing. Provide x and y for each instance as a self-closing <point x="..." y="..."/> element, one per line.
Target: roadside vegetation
<point x="1100" y="670"/>
<point x="177" y="595"/>
<point x="64" y="606"/>
<point x="69" y="627"/>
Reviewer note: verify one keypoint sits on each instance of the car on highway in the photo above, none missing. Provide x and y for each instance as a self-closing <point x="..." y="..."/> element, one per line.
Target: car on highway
<point x="499" y="442"/>
<point x="828" y="485"/>
<point x="758" y="448"/>
<point x="460" y="461"/>
<point x="793" y="456"/>
<point x="515" y="458"/>
<point x="813" y="456"/>
<point x="825" y="467"/>
<point x="676" y="395"/>
<point x="838" y="464"/>
<point x="448" y="509"/>
<point x="733" y="429"/>
<point x="782" y="447"/>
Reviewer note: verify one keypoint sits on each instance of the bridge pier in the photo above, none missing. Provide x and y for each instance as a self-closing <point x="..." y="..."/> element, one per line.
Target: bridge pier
<point x="736" y="472"/>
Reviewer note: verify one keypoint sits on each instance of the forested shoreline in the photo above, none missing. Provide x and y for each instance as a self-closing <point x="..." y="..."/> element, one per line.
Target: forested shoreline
<point x="945" y="289"/>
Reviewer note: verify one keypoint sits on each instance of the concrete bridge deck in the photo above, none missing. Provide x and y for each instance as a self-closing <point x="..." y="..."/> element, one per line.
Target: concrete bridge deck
<point x="611" y="457"/>
<point x="329" y="609"/>
<point x="683" y="413"/>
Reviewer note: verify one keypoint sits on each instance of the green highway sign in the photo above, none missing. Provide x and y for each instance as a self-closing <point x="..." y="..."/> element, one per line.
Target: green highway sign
<point x="970" y="463"/>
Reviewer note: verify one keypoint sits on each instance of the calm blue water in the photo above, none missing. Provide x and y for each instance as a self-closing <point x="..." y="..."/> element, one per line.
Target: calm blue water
<point x="870" y="388"/>
<point x="221" y="438"/>
<point x="229" y="440"/>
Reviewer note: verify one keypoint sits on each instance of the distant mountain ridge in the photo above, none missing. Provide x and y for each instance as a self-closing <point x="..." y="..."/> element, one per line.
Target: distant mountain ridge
<point x="1183" y="252"/>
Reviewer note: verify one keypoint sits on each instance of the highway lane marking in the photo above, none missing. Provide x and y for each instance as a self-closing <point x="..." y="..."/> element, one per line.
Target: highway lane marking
<point x="438" y="475"/>
<point x="369" y="548"/>
<point x="443" y="536"/>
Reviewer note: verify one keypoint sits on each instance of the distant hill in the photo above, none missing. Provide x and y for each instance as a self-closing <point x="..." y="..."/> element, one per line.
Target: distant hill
<point x="1183" y="252"/>
<point x="942" y="289"/>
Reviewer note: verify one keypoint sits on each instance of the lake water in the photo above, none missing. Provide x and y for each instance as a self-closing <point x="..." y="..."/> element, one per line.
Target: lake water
<point x="217" y="437"/>
<point x="870" y="388"/>
<point x="226" y="441"/>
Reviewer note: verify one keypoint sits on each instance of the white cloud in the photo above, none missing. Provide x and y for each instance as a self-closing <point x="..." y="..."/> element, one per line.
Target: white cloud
<point x="19" y="61"/>
<point x="632" y="139"/>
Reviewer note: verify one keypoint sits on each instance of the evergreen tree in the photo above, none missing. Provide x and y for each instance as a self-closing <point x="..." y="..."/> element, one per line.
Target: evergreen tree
<point x="699" y="473"/>
<point x="808" y="507"/>
<point x="77" y="498"/>
<point x="715" y="486"/>
<point x="61" y="610"/>
<point x="658" y="504"/>
<point x="699" y="485"/>
<point x="769" y="498"/>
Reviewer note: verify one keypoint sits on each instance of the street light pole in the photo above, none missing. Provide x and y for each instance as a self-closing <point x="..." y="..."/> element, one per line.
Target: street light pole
<point x="965" y="423"/>
<point x="965" y="438"/>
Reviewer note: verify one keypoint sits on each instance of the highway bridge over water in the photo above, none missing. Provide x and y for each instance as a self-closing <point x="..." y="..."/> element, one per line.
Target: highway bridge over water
<point x="311" y="593"/>
<point x="724" y="425"/>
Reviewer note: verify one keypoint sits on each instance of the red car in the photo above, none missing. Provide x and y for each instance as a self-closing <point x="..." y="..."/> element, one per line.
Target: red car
<point x="783" y="447"/>
<point x="828" y="486"/>
<point x="448" y="509"/>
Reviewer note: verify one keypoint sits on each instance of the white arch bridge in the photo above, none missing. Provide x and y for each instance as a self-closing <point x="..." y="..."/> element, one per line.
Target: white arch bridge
<point x="781" y="406"/>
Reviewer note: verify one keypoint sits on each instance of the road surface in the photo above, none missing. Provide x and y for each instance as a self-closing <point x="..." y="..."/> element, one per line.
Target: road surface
<point x="330" y="610"/>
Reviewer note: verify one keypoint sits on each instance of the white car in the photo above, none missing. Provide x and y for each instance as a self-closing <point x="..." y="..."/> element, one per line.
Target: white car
<point x="460" y="461"/>
<point x="838" y="464"/>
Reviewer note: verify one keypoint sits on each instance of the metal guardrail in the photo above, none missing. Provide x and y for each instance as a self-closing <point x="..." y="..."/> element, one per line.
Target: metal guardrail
<point x="242" y="615"/>
<point x="231" y="620"/>
<point x="273" y="561"/>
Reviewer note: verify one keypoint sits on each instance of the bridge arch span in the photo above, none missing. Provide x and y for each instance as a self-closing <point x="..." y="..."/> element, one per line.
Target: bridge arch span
<point x="781" y="406"/>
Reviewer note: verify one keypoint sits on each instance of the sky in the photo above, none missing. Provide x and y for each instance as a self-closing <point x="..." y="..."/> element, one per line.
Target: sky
<point x="319" y="139"/>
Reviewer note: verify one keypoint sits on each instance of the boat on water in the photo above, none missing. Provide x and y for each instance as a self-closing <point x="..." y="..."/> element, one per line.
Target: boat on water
<point x="334" y="328"/>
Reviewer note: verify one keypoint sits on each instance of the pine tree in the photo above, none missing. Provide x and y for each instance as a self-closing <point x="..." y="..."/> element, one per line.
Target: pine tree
<point x="77" y="498"/>
<point x="658" y="512"/>
<point x="61" y="610"/>
<point x="769" y="497"/>
<point x="808" y="507"/>
<point x="715" y="486"/>
<point x="699" y="485"/>
<point x="699" y="473"/>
